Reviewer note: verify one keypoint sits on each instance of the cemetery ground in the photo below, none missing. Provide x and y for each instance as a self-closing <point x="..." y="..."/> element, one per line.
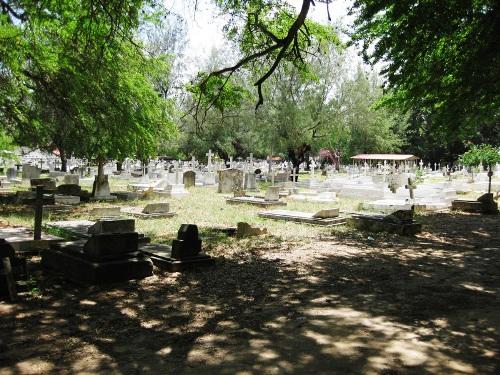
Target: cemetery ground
<point x="300" y="300"/>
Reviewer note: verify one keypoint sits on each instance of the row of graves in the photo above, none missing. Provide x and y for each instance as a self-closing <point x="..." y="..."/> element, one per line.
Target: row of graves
<point x="109" y="249"/>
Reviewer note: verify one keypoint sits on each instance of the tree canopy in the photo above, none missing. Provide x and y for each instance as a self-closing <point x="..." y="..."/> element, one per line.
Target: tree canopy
<point x="442" y="57"/>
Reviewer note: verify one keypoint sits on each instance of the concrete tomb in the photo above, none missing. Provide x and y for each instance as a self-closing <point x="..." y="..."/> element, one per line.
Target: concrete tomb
<point x="399" y="222"/>
<point x="325" y="217"/>
<point x="49" y="184"/>
<point x="484" y="204"/>
<point x="151" y="211"/>
<point x="184" y="253"/>
<point x="102" y="258"/>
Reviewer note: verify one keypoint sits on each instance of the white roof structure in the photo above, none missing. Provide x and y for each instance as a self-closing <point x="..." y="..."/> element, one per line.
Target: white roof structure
<point x="391" y="157"/>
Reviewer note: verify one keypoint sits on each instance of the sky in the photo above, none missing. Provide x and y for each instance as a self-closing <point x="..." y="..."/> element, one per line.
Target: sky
<point x="204" y="26"/>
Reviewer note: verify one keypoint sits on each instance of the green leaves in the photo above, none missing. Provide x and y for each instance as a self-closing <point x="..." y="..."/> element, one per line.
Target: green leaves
<point x="485" y="154"/>
<point x="440" y="56"/>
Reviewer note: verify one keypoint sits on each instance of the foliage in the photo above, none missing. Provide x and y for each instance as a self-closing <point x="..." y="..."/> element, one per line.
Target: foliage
<point x="443" y="57"/>
<point x="78" y="81"/>
<point x="485" y="154"/>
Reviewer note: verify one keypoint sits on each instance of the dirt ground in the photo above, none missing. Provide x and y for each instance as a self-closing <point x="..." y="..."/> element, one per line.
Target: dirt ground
<point x="345" y="303"/>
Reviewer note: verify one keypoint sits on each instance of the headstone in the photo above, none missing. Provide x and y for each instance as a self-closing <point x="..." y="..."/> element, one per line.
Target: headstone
<point x="30" y="171"/>
<point x="230" y="180"/>
<point x="66" y="199"/>
<point x="250" y="181"/>
<point x="189" y="178"/>
<point x="187" y="243"/>
<point x="272" y="193"/>
<point x="100" y="189"/>
<point x="411" y="186"/>
<point x="72" y="179"/>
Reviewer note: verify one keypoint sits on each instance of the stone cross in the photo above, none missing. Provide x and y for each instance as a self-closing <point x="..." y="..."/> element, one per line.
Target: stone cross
<point x="421" y="164"/>
<point x="411" y="186"/>
<point x="313" y="165"/>
<point x="435" y="166"/>
<point x="230" y="162"/>
<point x="365" y="168"/>
<point x="251" y="160"/>
<point x="193" y="162"/>
<point x="294" y="176"/>
<point x="209" y="162"/>
<point x="272" y="176"/>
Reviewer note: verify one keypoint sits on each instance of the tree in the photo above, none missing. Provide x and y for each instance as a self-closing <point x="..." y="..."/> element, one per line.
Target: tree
<point x="79" y="81"/>
<point x="484" y="154"/>
<point x="268" y="33"/>
<point x="442" y="57"/>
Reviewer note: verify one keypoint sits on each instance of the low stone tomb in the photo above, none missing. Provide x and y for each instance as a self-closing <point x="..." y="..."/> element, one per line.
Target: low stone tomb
<point x="102" y="258"/>
<point x="184" y="253"/>
<point x="244" y="230"/>
<point x="150" y="211"/>
<point x="399" y="222"/>
<point x="21" y="239"/>
<point x="485" y="204"/>
<point x="66" y="199"/>
<point x="128" y="195"/>
<point x="325" y="217"/>
<point x="105" y="212"/>
<point x="322" y="197"/>
<point x="272" y="193"/>
<point x="256" y="201"/>
<point x="49" y="184"/>
<point x="73" y="190"/>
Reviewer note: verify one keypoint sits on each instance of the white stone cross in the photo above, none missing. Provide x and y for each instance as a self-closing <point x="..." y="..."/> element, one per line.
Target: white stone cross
<point x="421" y="164"/>
<point x="230" y="162"/>
<point x="272" y="176"/>
<point x="313" y="165"/>
<point x="294" y="175"/>
<point x="251" y="160"/>
<point x="193" y="162"/>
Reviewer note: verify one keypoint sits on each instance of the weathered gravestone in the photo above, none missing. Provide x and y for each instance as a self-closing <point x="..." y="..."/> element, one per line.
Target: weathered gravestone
<point x="105" y="211"/>
<point x="72" y="179"/>
<point x="184" y="253"/>
<point x="250" y="181"/>
<point x="104" y="257"/>
<point x="272" y="193"/>
<point x="11" y="173"/>
<point x="326" y="217"/>
<point x="230" y="180"/>
<point x="188" y="178"/>
<point x="30" y="171"/>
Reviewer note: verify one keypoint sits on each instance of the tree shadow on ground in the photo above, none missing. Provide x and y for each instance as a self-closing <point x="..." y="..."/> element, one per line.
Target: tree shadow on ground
<point x="419" y="305"/>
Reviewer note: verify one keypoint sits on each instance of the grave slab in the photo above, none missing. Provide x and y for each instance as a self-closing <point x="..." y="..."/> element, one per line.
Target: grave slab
<point x="256" y="201"/>
<point x="302" y="217"/>
<point x="22" y="241"/>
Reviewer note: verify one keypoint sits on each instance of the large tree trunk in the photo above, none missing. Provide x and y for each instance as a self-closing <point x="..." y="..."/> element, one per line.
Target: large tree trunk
<point x="64" y="160"/>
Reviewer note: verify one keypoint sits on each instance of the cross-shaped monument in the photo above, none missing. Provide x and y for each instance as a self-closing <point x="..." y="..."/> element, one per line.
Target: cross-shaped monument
<point x="411" y="186"/>
<point x="313" y="165"/>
